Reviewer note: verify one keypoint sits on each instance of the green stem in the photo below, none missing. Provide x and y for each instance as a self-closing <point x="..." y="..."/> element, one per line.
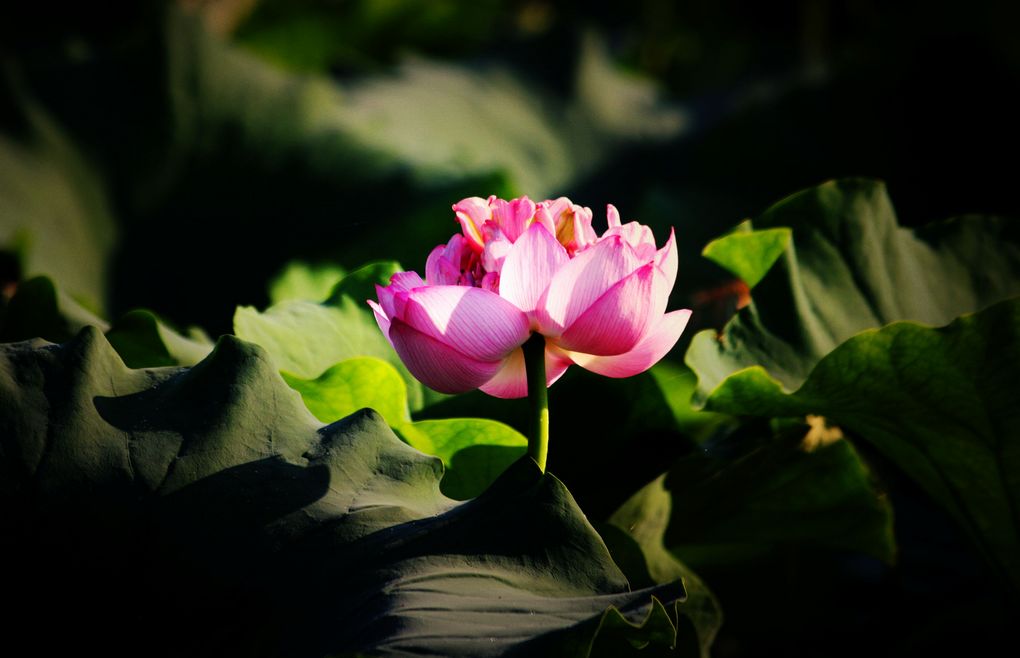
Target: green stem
<point x="538" y="394"/>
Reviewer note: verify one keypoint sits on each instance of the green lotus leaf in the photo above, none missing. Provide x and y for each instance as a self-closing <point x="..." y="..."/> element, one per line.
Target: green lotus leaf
<point x="299" y="280"/>
<point x="938" y="402"/>
<point x="777" y="490"/>
<point x="634" y="420"/>
<point x="305" y="339"/>
<point x="748" y="253"/>
<point x="846" y="267"/>
<point x="475" y="451"/>
<point x="39" y="310"/>
<point x="270" y="532"/>
<point x="55" y="211"/>
<point x="641" y="523"/>
<point x="143" y="341"/>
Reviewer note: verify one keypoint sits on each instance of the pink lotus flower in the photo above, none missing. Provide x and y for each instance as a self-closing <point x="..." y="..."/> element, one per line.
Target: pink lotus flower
<point x="519" y="268"/>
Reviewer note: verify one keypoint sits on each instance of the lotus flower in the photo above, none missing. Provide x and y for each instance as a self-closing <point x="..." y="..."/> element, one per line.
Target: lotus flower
<point x="519" y="268"/>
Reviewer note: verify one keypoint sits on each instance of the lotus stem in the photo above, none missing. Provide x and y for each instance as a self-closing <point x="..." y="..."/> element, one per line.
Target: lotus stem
<point x="538" y="395"/>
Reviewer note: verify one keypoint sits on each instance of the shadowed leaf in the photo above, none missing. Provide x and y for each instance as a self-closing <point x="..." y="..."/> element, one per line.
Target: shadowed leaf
<point x="474" y="450"/>
<point x="940" y="403"/>
<point x="267" y="529"/>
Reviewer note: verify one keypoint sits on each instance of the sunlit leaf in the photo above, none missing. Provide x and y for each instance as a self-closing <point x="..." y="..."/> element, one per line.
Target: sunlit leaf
<point x="299" y="280"/>
<point x="355" y="384"/>
<point x="678" y="384"/>
<point x="475" y="451"/>
<point x="849" y="267"/>
<point x="305" y="339"/>
<point x="748" y="253"/>
<point x="633" y="420"/>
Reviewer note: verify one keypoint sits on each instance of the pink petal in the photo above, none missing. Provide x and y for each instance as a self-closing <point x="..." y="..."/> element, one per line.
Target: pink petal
<point x="612" y="215"/>
<point x="496" y="248"/>
<point x="552" y="212"/>
<point x="569" y="222"/>
<point x="381" y="319"/>
<point x="490" y="282"/>
<point x="478" y="323"/>
<point x="472" y="213"/>
<point x="584" y="234"/>
<point x="661" y="288"/>
<point x="433" y="267"/>
<point x="553" y="208"/>
<point x="529" y="267"/>
<point x="405" y="281"/>
<point x="400" y="283"/>
<point x="556" y="363"/>
<point x="446" y="263"/>
<point x="439" y="270"/>
<point x="667" y="260"/>
<point x="513" y="216"/>
<point x="385" y="296"/>
<point x="458" y="251"/>
<point x="638" y="236"/>
<point x="512" y="382"/>
<point x="581" y="281"/>
<point x="547" y="211"/>
<point x="618" y="319"/>
<point x="656" y="343"/>
<point x="436" y="364"/>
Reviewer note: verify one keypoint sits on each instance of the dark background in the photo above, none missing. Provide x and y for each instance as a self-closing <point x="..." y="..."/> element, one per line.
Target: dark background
<point x="780" y="96"/>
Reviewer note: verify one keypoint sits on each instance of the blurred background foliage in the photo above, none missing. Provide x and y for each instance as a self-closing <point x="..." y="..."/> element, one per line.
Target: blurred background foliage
<point x="178" y="155"/>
